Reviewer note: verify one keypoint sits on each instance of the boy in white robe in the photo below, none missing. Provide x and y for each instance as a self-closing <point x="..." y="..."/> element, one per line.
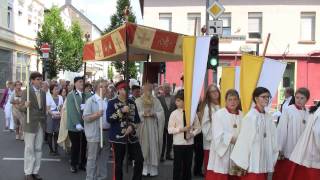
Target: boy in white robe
<point x="306" y="154"/>
<point x="256" y="149"/>
<point x="224" y="135"/>
<point x="291" y="125"/>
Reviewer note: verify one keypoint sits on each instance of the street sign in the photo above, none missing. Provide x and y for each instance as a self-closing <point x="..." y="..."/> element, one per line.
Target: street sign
<point x="45" y="55"/>
<point x="215" y="27"/>
<point x="215" y="9"/>
<point x="45" y="48"/>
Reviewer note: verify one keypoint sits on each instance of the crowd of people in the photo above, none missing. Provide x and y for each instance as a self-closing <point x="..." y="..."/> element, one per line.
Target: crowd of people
<point x="148" y="126"/>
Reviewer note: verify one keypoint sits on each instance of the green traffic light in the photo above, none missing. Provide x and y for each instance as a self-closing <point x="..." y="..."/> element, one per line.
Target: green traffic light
<point x="213" y="62"/>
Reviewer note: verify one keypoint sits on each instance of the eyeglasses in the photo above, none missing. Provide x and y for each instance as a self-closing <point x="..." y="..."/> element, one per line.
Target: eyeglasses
<point x="265" y="97"/>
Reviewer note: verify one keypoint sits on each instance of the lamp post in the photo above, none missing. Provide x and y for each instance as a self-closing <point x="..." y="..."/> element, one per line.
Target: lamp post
<point x="87" y="36"/>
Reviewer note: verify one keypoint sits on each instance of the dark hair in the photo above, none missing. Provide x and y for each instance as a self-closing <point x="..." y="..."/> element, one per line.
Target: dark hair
<point x="35" y="75"/>
<point x="17" y="82"/>
<point x="64" y="88"/>
<point x="88" y="85"/>
<point x="232" y="92"/>
<point x="290" y="91"/>
<point x="304" y="91"/>
<point x="180" y="95"/>
<point x="52" y="86"/>
<point x="134" y="87"/>
<point x="258" y="91"/>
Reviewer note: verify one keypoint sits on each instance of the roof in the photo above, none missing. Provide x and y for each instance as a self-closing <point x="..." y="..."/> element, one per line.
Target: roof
<point x="81" y="14"/>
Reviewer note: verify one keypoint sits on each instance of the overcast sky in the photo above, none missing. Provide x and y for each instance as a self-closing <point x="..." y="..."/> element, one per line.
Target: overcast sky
<point x="98" y="11"/>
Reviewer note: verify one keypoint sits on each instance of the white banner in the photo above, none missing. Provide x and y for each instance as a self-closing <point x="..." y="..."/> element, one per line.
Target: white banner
<point x="199" y="71"/>
<point x="237" y="79"/>
<point x="271" y="75"/>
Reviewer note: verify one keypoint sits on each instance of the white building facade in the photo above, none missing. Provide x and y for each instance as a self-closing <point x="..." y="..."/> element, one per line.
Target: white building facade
<point x="20" y="22"/>
<point x="294" y="27"/>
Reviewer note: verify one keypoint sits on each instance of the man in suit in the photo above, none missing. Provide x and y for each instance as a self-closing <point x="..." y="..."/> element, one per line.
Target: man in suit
<point x="168" y="104"/>
<point x="75" y="105"/>
<point x="33" y="131"/>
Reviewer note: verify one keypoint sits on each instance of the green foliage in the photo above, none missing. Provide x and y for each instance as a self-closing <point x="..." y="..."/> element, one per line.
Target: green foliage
<point x="66" y="45"/>
<point x="110" y="72"/>
<point x="117" y="20"/>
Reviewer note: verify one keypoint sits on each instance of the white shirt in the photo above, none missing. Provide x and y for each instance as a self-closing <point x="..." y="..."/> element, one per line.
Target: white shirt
<point x="176" y="123"/>
<point x="291" y="125"/>
<point x="307" y="149"/>
<point x="226" y="126"/>
<point x="206" y="126"/>
<point x="256" y="148"/>
<point x="104" y="103"/>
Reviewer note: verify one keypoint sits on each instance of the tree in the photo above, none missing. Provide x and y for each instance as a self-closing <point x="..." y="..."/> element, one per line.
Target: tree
<point x="110" y="72"/>
<point x="117" y="20"/>
<point x="52" y="30"/>
<point x="65" y="45"/>
<point x="71" y="58"/>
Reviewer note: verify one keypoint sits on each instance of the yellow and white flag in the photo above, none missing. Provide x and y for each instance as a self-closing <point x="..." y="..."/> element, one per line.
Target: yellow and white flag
<point x="250" y="69"/>
<point x="195" y="55"/>
<point x="227" y="82"/>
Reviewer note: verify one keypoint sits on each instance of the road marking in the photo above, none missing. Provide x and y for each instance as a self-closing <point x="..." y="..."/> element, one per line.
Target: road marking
<point x="21" y="159"/>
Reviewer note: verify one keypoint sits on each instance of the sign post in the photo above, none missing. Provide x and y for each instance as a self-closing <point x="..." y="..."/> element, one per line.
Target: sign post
<point x="45" y="49"/>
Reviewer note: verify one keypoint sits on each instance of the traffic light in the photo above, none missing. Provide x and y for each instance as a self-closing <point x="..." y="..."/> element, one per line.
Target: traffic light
<point x="213" y="55"/>
<point x="46" y="65"/>
<point x="162" y="67"/>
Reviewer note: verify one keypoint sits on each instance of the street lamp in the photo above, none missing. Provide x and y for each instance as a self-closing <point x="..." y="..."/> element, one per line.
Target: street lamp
<point x="87" y="36"/>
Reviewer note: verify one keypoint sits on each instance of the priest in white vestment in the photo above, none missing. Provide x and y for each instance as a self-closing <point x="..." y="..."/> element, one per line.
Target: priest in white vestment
<point x="292" y="123"/>
<point x="306" y="154"/>
<point x="150" y="130"/>
<point x="256" y="149"/>
<point x="227" y="124"/>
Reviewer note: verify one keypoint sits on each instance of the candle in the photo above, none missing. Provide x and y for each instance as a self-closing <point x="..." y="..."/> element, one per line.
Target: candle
<point x="101" y="118"/>
<point x="28" y="95"/>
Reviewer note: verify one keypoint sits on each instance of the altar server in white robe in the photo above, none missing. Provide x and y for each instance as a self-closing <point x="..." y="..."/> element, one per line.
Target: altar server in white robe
<point x="256" y="149"/>
<point x="225" y="131"/>
<point x="306" y="154"/>
<point x="209" y="106"/>
<point x="291" y="125"/>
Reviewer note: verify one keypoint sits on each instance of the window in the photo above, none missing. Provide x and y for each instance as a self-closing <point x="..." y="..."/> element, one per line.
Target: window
<point x="194" y="23"/>
<point x="226" y="18"/>
<point x="307" y="26"/>
<point x="22" y="59"/>
<point x="20" y="13"/>
<point x="29" y="21"/>
<point x="9" y="17"/>
<point x="6" y="67"/>
<point x="165" y="21"/>
<point x="255" y="25"/>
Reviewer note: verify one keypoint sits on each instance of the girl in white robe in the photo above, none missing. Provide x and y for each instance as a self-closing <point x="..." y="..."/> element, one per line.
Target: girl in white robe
<point x="256" y="149"/>
<point x="306" y="154"/>
<point x="291" y="125"/>
<point x="209" y="105"/>
<point x="224" y="135"/>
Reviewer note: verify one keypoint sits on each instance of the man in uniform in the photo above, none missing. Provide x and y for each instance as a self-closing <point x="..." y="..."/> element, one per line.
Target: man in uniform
<point x="123" y="117"/>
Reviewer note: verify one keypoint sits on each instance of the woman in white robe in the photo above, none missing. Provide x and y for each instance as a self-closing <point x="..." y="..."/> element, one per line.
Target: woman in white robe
<point x="209" y="106"/>
<point x="291" y="125"/>
<point x="150" y="130"/>
<point x="256" y="149"/>
<point x="306" y="154"/>
<point x="224" y="135"/>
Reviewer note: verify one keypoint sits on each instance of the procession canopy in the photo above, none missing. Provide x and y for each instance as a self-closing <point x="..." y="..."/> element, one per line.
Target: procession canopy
<point x="143" y="42"/>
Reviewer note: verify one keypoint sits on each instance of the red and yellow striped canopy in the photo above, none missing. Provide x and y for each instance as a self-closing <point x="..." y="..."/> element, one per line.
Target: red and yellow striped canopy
<point x="143" y="42"/>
